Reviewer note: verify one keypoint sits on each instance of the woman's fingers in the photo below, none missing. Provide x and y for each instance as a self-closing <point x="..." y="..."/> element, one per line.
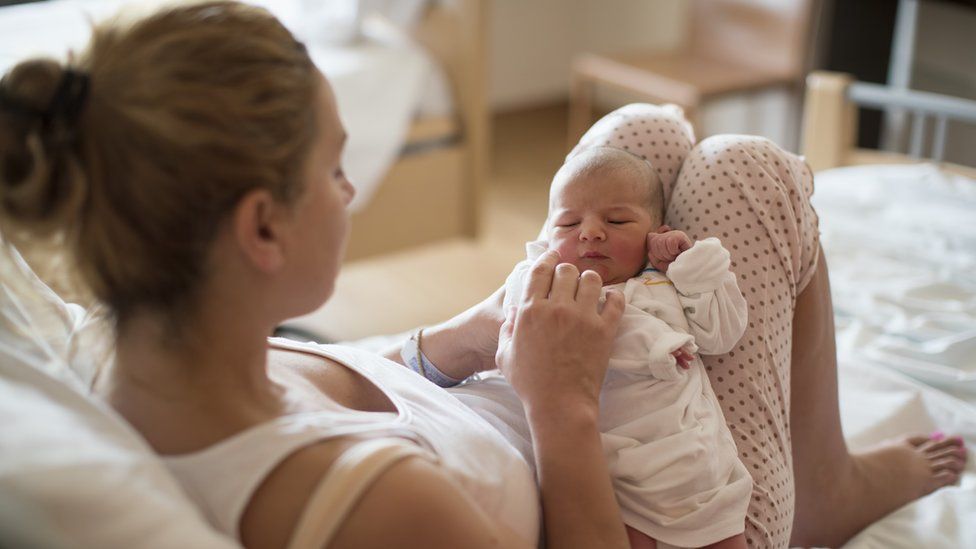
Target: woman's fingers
<point x="564" y="282"/>
<point x="588" y="293"/>
<point x="540" y="277"/>
<point x="613" y="309"/>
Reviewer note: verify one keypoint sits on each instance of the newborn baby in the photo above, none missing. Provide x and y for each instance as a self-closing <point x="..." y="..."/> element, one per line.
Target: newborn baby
<point x="673" y="462"/>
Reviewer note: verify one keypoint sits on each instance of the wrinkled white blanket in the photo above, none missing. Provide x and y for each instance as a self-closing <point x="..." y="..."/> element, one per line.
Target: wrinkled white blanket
<point x="901" y="245"/>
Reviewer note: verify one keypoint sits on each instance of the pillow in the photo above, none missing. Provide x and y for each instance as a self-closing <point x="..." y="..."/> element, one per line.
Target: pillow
<point x="72" y="471"/>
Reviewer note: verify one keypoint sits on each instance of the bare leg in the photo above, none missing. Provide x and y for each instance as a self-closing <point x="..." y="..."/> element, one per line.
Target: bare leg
<point x="839" y="493"/>
<point x="735" y="542"/>
<point x="640" y="540"/>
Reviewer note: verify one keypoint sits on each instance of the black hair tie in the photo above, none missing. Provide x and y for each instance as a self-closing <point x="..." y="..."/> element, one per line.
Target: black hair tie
<point x="65" y="106"/>
<point x="68" y="99"/>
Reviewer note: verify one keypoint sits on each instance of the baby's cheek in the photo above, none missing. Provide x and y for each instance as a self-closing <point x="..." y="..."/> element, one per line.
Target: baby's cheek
<point x="566" y="248"/>
<point x="632" y="257"/>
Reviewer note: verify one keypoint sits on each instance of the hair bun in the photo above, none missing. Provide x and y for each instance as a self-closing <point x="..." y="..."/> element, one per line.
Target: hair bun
<point x="41" y="182"/>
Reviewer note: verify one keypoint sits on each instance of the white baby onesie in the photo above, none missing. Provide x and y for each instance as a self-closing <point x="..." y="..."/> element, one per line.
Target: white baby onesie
<point x="674" y="464"/>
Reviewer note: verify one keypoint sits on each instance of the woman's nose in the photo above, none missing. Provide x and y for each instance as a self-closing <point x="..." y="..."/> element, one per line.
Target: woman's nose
<point x="349" y="191"/>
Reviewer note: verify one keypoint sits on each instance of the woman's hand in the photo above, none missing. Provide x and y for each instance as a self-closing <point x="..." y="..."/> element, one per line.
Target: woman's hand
<point x="664" y="246"/>
<point x="555" y="347"/>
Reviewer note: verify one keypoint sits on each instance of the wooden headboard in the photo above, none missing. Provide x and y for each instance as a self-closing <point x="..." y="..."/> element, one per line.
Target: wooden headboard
<point x="455" y="32"/>
<point x="830" y="115"/>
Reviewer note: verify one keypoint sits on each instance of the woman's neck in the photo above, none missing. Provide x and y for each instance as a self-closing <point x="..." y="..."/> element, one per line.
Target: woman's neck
<point x="209" y="363"/>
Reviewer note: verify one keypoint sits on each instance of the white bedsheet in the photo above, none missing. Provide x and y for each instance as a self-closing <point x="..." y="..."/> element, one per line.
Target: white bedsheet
<point x="381" y="82"/>
<point x="901" y="245"/>
<point x="380" y="85"/>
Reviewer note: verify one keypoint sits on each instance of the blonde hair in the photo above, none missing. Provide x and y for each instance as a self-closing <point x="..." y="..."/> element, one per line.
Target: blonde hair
<point x="186" y="111"/>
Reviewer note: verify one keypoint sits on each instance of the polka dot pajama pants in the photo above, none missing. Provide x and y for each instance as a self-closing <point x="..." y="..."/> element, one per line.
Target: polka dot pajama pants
<point x="755" y="198"/>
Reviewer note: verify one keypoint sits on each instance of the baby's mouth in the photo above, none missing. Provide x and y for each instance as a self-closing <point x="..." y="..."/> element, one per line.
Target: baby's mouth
<point x="594" y="255"/>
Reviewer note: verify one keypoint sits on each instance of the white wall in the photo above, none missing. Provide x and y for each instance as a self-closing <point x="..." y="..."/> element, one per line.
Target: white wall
<point x="533" y="42"/>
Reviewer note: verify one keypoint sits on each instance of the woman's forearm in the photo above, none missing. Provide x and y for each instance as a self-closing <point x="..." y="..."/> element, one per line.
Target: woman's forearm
<point x="578" y="502"/>
<point x="463" y="345"/>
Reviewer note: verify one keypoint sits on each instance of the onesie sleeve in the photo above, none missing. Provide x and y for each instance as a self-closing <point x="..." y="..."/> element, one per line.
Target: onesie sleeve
<point x="645" y="341"/>
<point x="515" y="282"/>
<point x="710" y="297"/>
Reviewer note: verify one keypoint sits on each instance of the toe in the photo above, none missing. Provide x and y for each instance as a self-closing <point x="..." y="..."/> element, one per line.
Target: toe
<point x="953" y="464"/>
<point x="945" y="478"/>
<point x="946" y="452"/>
<point x="939" y="445"/>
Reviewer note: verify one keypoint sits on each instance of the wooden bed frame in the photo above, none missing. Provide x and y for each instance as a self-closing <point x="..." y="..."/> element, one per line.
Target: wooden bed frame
<point x="830" y="122"/>
<point x="434" y="190"/>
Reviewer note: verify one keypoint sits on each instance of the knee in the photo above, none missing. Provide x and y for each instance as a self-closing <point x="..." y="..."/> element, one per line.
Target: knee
<point x="731" y="149"/>
<point x="761" y="170"/>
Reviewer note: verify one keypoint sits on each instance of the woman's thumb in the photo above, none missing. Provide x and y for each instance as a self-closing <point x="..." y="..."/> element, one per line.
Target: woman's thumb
<point x="613" y="307"/>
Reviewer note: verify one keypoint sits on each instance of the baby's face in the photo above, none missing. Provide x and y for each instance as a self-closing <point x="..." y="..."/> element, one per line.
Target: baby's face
<point x="600" y="222"/>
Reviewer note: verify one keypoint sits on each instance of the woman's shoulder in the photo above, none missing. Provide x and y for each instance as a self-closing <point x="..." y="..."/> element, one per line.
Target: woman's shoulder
<point x="336" y="493"/>
<point x="278" y="502"/>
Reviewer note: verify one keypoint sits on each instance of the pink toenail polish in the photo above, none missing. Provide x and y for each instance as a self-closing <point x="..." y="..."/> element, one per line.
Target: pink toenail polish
<point x="938" y="435"/>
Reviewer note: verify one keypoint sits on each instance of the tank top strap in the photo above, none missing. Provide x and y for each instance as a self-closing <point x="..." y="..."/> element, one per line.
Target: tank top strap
<point x="353" y="472"/>
<point x="252" y="455"/>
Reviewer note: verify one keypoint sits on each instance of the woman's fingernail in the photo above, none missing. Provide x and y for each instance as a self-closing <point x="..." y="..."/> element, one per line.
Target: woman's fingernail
<point x="938" y="435"/>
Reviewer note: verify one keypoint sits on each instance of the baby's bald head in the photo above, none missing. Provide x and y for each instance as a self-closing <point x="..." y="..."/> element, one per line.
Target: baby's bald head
<point x="596" y="163"/>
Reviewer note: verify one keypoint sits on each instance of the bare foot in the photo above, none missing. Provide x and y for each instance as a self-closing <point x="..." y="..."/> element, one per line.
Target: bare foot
<point x="903" y="470"/>
<point x="878" y="481"/>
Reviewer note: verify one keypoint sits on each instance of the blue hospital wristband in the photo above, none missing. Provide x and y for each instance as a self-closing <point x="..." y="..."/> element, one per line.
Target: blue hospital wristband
<point x="416" y="360"/>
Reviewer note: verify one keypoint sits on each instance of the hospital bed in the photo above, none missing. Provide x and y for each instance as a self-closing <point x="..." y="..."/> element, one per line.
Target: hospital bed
<point x="411" y="91"/>
<point x="899" y="234"/>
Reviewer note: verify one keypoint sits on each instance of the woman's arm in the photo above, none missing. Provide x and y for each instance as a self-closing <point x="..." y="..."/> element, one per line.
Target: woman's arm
<point x="414" y="503"/>
<point x="464" y="344"/>
<point x="554" y="350"/>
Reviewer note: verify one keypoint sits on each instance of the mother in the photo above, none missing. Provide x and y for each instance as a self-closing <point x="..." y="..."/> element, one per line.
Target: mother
<point x="192" y="163"/>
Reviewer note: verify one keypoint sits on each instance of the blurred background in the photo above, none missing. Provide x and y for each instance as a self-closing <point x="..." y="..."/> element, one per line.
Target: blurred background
<point x="460" y="111"/>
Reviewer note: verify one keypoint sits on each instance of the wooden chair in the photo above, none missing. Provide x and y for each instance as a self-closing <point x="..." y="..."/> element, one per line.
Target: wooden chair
<point x="734" y="46"/>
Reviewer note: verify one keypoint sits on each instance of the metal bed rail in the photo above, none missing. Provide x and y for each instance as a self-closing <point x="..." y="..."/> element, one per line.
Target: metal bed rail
<point x="922" y="105"/>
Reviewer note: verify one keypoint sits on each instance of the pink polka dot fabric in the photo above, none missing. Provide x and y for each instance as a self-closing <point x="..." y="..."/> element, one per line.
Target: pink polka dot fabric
<point x="754" y="197"/>
<point x="659" y="134"/>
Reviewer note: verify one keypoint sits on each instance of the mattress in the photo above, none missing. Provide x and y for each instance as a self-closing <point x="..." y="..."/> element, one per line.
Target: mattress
<point x="900" y="242"/>
<point x="392" y="96"/>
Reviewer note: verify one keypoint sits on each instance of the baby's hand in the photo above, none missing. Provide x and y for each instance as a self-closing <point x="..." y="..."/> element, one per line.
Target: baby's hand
<point x="683" y="358"/>
<point x="664" y="246"/>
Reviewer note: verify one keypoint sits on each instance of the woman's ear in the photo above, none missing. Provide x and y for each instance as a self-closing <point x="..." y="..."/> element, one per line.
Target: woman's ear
<point x="259" y="230"/>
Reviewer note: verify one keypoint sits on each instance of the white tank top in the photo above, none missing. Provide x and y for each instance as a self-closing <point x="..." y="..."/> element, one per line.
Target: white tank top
<point x="223" y="477"/>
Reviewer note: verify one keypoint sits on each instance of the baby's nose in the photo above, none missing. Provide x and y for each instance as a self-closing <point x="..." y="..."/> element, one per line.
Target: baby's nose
<point x="592" y="231"/>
